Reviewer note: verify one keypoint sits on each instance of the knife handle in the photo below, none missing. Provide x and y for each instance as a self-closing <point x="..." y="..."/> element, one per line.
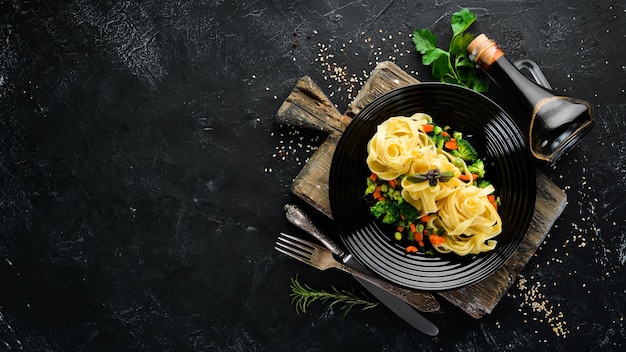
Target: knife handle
<point x="297" y="217"/>
<point x="424" y="302"/>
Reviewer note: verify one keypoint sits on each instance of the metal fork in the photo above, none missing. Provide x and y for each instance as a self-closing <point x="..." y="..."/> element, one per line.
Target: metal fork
<point x="323" y="259"/>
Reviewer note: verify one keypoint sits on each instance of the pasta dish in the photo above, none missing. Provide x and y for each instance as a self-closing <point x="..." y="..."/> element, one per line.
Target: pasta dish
<point x="429" y="183"/>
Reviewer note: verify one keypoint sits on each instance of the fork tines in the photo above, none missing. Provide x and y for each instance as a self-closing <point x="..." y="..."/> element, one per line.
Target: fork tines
<point x="294" y="247"/>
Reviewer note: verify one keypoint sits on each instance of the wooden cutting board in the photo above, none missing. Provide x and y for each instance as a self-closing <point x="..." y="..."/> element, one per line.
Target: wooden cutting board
<point x="308" y="107"/>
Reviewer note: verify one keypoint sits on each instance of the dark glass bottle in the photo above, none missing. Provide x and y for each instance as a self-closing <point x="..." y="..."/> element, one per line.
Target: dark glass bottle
<point x="555" y="124"/>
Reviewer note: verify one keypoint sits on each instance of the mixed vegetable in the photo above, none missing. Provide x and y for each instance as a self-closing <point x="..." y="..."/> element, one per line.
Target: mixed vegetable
<point x="412" y="229"/>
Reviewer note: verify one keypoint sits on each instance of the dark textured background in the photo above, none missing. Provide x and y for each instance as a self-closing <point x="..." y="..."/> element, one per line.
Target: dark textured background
<point x="143" y="175"/>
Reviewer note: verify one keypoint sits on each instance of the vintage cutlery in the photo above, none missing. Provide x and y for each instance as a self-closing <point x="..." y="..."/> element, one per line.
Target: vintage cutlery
<point x="422" y="301"/>
<point x="323" y="259"/>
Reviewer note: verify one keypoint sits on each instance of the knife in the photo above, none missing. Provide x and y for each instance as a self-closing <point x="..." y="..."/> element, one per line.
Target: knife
<point x="423" y="301"/>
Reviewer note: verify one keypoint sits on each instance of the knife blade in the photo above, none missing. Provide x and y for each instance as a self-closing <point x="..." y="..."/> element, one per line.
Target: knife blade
<point x="401" y="307"/>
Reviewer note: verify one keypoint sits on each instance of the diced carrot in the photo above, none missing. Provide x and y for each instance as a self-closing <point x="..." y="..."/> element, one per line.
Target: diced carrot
<point x="451" y="145"/>
<point x="492" y="200"/>
<point x="421" y="243"/>
<point x="392" y="183"/>
<point x="411" y="249"/>
<point x="377" y="194"/>
<point x="445" y="134"/>
<point x="436" y="240"/>
<point x="419" y="236"/>
<point x="425" y="218"/>
<point x="373" y="177"/>
<point x="413" y="228"/>
<point x="428" y="128"/>
<point x="400" y="228"/>
<point x="470" y="177"/>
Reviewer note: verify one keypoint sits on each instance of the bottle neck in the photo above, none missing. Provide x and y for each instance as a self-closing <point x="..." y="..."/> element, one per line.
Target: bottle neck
<point x="516" y="85"/>
<point x="484" y="51"/>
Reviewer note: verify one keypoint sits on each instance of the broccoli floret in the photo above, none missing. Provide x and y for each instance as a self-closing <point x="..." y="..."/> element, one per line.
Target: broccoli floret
<point x="466" y="151"/>
<point x="408" y="210"/>
<point x="371" y="186"/>
<point x="387" y="210"/>
<point x="379" y="209"/>
<point x="477" y="167"/>
<point x="394" y="195"/>
<point x="483" y="183"/>
<point x="391" y="218"/>
<point x="439" y="140"/>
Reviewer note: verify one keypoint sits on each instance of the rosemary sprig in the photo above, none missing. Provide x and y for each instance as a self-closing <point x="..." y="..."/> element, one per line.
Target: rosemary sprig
<point x="302" y="296"/>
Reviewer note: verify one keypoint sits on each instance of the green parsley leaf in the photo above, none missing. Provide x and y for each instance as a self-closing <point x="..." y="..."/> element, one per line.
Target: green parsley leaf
<point x="461" y="21"/>
<point x="433" y="55"/>
<point x="452" y="66"/>
<point x="424" y="40"/>
<point x="481" y="84"/>
<point x="442" y="70"/>
<point x="464" y="61"/>
<point x="459" y="43"/>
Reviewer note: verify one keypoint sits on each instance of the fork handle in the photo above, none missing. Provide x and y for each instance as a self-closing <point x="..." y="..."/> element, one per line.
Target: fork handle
<point x="418" y="300"/>
<point x="297" y="217"/>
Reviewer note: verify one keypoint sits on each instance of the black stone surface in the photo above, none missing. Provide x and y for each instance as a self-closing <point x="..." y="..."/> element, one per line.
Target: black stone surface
<point x="142" y="175"/>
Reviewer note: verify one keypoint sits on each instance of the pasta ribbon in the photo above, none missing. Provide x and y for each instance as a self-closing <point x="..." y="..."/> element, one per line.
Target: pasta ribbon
<point x="470" y="221"/>
<point x="390" y="150"/>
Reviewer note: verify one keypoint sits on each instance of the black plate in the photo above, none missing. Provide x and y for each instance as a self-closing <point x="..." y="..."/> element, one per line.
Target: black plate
<point x="509" y="167"/>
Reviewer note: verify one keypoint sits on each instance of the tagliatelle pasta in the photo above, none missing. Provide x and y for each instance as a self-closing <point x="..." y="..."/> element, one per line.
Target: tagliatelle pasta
<point x="438" y="183"/>
<point x="470" y="221"/>
<point x="390" y="150"/>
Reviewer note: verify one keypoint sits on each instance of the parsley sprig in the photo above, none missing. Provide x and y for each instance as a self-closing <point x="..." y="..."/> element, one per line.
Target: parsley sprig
<point x="453" y="65"/>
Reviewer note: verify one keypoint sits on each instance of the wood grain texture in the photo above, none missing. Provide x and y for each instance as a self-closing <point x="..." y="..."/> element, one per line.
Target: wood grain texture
<point x="311" y="184"/>
<point x="308" y="107"/>
<point x="385" y="77"/>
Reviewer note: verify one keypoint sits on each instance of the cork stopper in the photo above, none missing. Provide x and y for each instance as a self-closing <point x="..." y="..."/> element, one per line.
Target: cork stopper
<point x="484" y="51"/>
